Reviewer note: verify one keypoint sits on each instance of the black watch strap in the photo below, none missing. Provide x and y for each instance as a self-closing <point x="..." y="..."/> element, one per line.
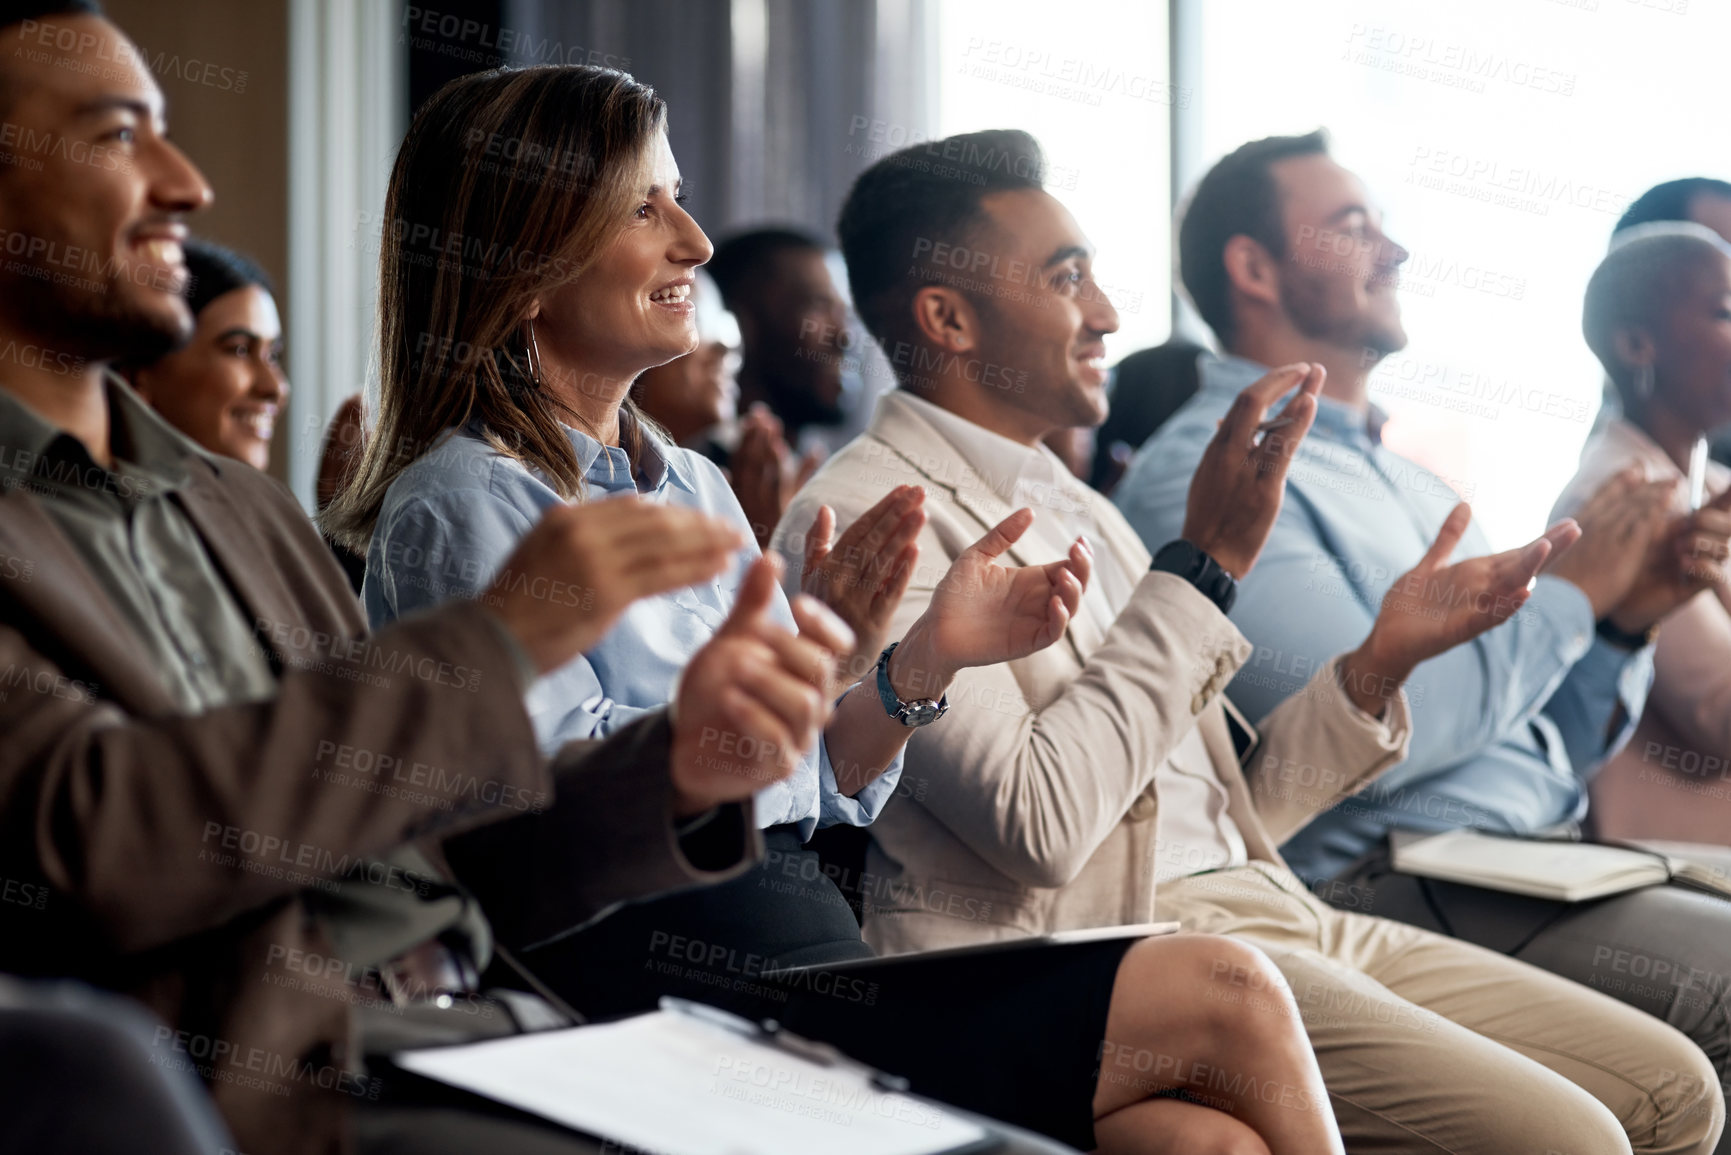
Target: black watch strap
<point x="1622" y="638"/>
<point x="1196" y="567"/>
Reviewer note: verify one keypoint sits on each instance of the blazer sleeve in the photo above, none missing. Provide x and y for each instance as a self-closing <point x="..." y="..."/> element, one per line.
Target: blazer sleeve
<point x="609" y="838"/>
<point x="1317" y="748"/>
<point x="156" y="828"/>
<point x="1035" y="792"/>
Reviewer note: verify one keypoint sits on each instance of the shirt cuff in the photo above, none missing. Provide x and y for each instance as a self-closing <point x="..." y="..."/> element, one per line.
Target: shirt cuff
<point x="1567" y="611"/>
<point x="525" y="669"/>
<point x="1396" y="717"/>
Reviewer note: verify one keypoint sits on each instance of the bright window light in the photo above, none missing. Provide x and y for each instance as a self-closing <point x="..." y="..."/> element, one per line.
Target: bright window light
<point x="1090" y="81"/>
<point x="1502" y="138"/>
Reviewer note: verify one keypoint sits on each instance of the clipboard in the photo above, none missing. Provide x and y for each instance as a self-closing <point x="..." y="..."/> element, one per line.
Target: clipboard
<point x="690" y="1079"/>
<point x="996" y="946"/>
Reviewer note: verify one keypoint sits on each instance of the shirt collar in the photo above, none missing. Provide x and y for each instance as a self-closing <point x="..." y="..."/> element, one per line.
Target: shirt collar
<point x="608" y="467"/>
<point x="1335" y="420"/>
<point x="138" y="438"/>
<point x="999" y="462"/>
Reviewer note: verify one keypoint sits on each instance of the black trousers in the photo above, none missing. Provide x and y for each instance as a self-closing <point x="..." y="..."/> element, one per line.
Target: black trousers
<point x="1013" y="1035"/>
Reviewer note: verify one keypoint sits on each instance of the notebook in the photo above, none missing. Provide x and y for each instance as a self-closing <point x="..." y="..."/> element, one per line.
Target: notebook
<point x="1542" y="868"/>
<point x="694" y="1080"/>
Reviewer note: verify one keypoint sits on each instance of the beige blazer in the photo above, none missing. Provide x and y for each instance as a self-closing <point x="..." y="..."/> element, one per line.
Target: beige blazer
<point x="1031" y="808"/>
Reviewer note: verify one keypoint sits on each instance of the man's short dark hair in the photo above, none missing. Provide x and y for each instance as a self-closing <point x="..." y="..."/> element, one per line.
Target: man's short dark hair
<point x="1238" y="196"/>
<point x="1670" y="201"/>
<point x="13" y="12"/>
<point x="742" y="262"/>
<point x="900" y="207"/>
<point x="18" y="11"/>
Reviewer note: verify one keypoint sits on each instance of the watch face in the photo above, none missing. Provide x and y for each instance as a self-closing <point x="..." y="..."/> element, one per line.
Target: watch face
<point x="920" y="713"/>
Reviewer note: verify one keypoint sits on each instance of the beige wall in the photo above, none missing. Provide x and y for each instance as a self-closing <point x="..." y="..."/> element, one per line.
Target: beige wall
<point x="223" y="65"/>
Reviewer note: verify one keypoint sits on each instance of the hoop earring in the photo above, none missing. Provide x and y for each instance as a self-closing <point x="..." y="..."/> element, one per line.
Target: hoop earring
<point x="533" y="352"/>
<point x="1644" y="382"/>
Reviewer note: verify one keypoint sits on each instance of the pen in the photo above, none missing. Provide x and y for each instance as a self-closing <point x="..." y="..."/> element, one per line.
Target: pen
<point x="1698" y="473"/>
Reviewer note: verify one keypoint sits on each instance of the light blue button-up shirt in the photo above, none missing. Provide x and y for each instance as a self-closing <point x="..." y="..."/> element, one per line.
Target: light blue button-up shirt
<point x="453" y="517"/>
<point x="1505" y="729"/>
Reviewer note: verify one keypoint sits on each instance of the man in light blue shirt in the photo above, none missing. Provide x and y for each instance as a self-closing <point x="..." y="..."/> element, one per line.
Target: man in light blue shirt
<point x="1284" y="256"/>
<point x="1500" y="724"/>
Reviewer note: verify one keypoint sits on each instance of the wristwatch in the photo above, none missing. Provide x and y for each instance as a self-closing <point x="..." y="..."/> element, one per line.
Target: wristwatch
<point x="920" y="711"/>
<point x="1196" y="567"/>
<point x="1624" y="640"/>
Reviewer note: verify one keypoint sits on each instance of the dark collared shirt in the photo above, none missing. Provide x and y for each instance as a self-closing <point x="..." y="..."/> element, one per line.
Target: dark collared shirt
<point x="140" y="546"/>
<point x="145" y="552"/>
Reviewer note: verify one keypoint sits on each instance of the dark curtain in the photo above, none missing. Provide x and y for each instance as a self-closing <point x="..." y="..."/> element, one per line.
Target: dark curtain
<point x="774" y="105"/>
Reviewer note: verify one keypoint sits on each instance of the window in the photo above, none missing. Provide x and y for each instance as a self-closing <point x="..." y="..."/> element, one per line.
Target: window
<point x="1503" y="138"/>
<point x="1090" y="81"/>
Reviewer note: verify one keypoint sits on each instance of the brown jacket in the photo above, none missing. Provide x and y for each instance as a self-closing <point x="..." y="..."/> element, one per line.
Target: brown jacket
<point x="168" y="856"/>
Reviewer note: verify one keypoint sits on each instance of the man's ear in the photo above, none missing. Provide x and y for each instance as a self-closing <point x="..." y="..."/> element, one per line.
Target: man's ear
<point x="1252" y="270"/>
<point x="946" y="318"/>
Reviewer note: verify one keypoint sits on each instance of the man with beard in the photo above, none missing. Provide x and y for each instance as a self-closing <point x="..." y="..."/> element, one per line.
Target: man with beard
<point x="792" y="325"/>
<point x="1098" y="781"/>
<point x="1283" y="253"/>
<point x="210" y="774"/>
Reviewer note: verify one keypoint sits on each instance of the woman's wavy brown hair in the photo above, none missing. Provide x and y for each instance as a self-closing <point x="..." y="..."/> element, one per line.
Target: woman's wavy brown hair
<point x="508" y="183"/>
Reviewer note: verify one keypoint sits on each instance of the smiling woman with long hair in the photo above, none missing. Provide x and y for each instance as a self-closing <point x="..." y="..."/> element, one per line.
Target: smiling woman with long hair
<point x="536" y="259"/>
<point x="225" y="387"/>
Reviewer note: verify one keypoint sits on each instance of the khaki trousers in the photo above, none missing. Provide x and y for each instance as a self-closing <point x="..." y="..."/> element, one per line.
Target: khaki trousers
<point x="1430" y="1044"/>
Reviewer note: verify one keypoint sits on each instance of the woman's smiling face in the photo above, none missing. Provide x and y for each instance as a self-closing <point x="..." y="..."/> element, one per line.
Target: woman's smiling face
<point x="225" y="388"/>
<point x="631" y="309"/>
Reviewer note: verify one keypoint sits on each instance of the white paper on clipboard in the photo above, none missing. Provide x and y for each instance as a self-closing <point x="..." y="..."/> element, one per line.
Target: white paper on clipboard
<point x="696" y="1082"/>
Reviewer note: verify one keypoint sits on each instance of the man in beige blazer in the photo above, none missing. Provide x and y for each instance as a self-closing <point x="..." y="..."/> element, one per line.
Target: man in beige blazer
<point x="1069" y="785"/>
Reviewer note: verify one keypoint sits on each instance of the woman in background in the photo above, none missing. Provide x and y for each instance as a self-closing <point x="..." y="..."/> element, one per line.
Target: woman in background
<point x="1658" y="317"/>
<point x="225" y="387"/>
